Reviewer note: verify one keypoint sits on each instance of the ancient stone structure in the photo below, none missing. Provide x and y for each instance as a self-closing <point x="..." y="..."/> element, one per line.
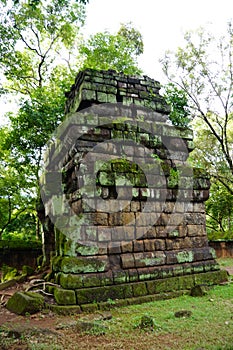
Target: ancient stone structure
<point x="130" y="220"/>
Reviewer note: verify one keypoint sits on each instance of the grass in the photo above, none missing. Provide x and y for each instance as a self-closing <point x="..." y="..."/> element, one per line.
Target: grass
<point x="210" y="326"/>
<point x="225" y="262"/>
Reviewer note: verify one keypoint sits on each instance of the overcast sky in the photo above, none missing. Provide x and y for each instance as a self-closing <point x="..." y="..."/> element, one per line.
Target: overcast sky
<point x="162" y="23"/>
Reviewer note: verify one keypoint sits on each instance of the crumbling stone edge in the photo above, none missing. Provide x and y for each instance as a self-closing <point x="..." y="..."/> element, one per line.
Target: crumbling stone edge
<point x="142" y="292"/>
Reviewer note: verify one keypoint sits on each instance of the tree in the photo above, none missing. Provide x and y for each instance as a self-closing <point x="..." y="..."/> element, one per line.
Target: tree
<point x="178" y="101"/>
<point x="203" y="70"/>
<point x="16" y="201"/>
<point x="32" y="35"/>
<point x="39" y="59"/>
<point x="219" y="209"/>
<point x="118" y="52"/>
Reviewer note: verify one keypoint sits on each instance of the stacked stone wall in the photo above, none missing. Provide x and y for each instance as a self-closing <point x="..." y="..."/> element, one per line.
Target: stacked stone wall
<point x="134" y="217"/>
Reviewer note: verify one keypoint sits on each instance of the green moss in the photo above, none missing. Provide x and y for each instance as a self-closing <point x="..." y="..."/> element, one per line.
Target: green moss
<point x="86" y="250"/>
<point x="64" y="296"/>
<point x="186" y="282"/>
<point x="186" y="256"/>
<point x="174" y="178"/>
<point x="99" y="294"/>
<point x="91" y="280"/>
<point x="120" y="277"/>
<point x="89" y="307"/>
<point x="64" y="309"/>
<point x="167" y="285"/>
<point x="106" y="178"/>
<point x="139" y="289"/>
<point x="22" y="303"/>
<point x="210" y="278"/>
<point x="56" y="263"/>
<point x="82" y="265"/>
<point x="70" y="281"/>
<point x="174" y="233"/>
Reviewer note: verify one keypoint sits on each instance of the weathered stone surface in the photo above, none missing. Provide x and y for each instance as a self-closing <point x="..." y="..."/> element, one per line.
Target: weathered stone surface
<point x="183" y="314"/>
<point x="64" y="296"/>
<point x="198" y="290"/>
<point x="25" y="302"/>
<point x="64" y="309"/>
<point x="82" y="265"/>
<point x="128" y="183"/>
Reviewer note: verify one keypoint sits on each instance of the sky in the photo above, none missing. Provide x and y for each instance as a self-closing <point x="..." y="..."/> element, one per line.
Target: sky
<point x="162" y="24"/>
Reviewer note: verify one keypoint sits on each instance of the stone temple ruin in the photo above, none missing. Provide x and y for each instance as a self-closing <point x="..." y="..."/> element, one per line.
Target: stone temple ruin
<point x="128" y="209"/>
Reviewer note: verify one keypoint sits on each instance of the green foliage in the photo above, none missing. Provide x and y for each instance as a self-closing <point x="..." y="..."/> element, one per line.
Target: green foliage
<point x="118" y="52"/>
<point x="8" y="273"/>
<point x="16" y="200"/>
<point x="206" y="80"/>
<point x="178" y="101"/>
<point x="39" y="41"/>
<point x="32" y="36"/>
<point x="219" y="209"/>
<point x="174" y="178"/>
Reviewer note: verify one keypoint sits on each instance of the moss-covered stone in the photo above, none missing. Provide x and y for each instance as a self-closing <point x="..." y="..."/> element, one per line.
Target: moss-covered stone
<point x="89" y="307"/>
<point x="85" y="250"/>
<point x="211" y="278"/>
<point x="64" y="309"/>
<point x="199" y="290"/>
<point x="91" y="280"/>
<point x="139" y="289"/>
<point x="25" y="302"/>
<point x="99" y="294"/>
<point x="83" y="265"/>
<point x="185" y="256"/>
<point x="186" y="282"/>
<point x="56" y="263"/>
<point x="64" y="296"/>
<point x="167" y="285"/>
<point x="71" y="281"/>
<point x="7" y="284"/>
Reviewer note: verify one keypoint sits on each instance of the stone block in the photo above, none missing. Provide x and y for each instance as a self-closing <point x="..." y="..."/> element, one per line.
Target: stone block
<point x="149" y="259"/>
<point x="138" y="246"/>
<point x="127" y="261"/>
<point x="99" y="294"/>
<point x="25" y="302"/>
<point x="64" y="310"/>
<point x="171" y="258"/>
<point x="130" y="234"/>
<point x="64" y="296"/>
<point x="114" y="248"/>
<point x="99" y="219"/>
<point x="120" y="277"/>
<point x="71" y="281"/>
<point x="143" y="273"/>
<point x="126" y="247"/>
<point x="84" y="264"/>
<point x="149" y="245"/>
<point x="167" y="285"/>
<point x="104" y="234"/>
<point x="139" y="289"/>
<point x="195" y="230"/>
<point x="133" y="275"/>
